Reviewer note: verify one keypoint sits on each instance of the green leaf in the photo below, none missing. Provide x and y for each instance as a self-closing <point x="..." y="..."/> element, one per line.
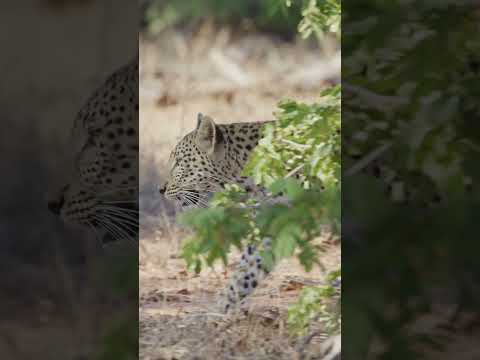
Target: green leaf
<point x="286" y="241"/>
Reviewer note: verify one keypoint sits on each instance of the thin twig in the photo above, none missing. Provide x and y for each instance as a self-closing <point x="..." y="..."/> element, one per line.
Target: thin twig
<point x="368" y="159"/>
<point x="381" y="102"/>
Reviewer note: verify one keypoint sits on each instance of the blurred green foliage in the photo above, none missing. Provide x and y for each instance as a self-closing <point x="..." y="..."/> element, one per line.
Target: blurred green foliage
<point x="410" y="77"/>
<point x="120" y="281"/>
<point x="121" y="343"/>
<point x="268" y="15"/>
<point x="418" y="115"/>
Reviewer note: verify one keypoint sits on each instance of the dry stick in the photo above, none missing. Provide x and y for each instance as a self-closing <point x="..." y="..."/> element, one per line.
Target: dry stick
<point x="301" y="348"/>
<point x="294" y="171"/>
<point x="381" y="102"/>
<point x="305" y="342"/>
<point x="359" y="165"/>
<point x="333" y="343"/>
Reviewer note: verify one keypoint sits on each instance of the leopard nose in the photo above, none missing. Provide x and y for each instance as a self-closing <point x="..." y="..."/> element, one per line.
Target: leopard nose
<point x="56" y="205"/>
<point x="162" y="189"/>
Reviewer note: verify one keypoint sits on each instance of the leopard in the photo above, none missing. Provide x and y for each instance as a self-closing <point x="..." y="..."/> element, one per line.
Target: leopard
<point x="100" y="191"/>
<point x="204" y="162"/>
<point x="207" y="160"/>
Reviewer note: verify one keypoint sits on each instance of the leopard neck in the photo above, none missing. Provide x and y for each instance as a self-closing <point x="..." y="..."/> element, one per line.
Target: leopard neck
<point x="240" y="141"/>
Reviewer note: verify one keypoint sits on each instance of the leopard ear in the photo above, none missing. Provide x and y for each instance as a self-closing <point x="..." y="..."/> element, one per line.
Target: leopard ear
<point x="206" y="134"/>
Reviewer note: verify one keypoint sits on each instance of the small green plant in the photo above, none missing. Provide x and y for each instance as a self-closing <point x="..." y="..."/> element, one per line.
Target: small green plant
<point x="305" y="140"/>
<point x="317" y="303"/>
<point x="320" y="18"/>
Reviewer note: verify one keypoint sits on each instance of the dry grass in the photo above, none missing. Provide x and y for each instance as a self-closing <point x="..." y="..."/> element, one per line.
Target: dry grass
<point x="233" y="79"/>
<point x="179" y="318"/>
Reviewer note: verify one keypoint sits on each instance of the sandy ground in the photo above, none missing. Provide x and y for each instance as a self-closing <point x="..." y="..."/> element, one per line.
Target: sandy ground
<point x="233" y="78"/>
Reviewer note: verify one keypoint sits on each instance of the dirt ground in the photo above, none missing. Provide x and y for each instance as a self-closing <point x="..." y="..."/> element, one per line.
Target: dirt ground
<point x="233" y="78"/>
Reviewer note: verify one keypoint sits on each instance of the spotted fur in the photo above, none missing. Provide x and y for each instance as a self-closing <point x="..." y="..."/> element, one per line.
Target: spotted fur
<point x="202" y="163"/>
<point x="208" y="158"/>
<point x="101" y="189"/>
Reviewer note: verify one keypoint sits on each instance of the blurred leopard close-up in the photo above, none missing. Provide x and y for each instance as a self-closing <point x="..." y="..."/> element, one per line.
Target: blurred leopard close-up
<point x="100" y="191"/>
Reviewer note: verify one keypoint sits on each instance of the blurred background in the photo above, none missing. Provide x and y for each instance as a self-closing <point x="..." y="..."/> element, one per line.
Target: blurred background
<point x="54" y="55"/>
<point x="232" y="60"/>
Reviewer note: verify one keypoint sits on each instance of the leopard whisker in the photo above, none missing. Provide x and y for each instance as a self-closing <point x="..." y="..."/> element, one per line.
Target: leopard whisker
<point x="125" y="223"/>
<point x="118" y="234"/>
<point x="133" y="214"/>
<point x="121" y="218"/>
<point x="113" y="202"/>
<point x="195" y="197"/>
<point x="188" y="201"/>
<point x="130" y="213"/>
<point x="120" y="228"/>
<point x="196" y="202"/>
<point x="191" y="200"/>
